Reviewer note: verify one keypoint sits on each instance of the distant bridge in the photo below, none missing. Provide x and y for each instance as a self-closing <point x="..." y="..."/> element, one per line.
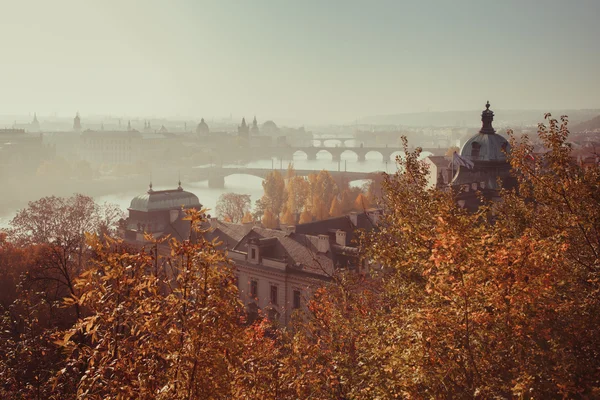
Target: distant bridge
<point x="216" y="175"/>
<point x="287" y="152"/>
<point x="361" y="152"/>
<point x="341" y="140"/>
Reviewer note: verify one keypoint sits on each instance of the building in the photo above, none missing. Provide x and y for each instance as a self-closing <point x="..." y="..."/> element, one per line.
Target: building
<point x="77" y="123"/>
<point x="35" y="124"/>
<point x="124" y="147"/>
<point x="202" y="128"/>
<point x="254" y="130"/>
<point x="21" y="153"/>
<point x="159" y="213"/>
<point x="243" y="129"/>
<point x="488" y="151"/>
<point x="276" y="270"/>
<point x="484" y="159"/>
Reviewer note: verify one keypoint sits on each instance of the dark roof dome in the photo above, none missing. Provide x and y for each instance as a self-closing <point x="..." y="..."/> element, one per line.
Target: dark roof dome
<point x="202" y="127"/>
<point x="269" y="125"/>
<point x="486" y="145"/>
<point x="155" y="200"/>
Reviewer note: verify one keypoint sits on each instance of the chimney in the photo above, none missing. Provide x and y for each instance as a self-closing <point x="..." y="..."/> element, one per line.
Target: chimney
<point x="173" y="215"/>
<point x="340" y="237"/>
<point x="290" y="229"/>
<point x="354" y="218"/>
<point x="213" y="222"/>
<point x="323" y="244"/>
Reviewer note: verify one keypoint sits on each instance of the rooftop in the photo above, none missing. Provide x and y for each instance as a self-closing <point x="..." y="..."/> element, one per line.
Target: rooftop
<point x="154" y="200"/>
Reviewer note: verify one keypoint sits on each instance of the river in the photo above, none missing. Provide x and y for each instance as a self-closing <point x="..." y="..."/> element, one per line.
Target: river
<point x="247" y="184"/>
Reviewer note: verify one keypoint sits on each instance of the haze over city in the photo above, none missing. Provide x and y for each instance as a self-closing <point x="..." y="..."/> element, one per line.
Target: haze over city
<point x="299" y="200"/>
<point x="310" y="62"/>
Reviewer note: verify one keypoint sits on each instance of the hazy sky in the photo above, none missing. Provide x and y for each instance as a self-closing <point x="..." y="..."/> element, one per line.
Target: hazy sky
<point x="307" y="60"/>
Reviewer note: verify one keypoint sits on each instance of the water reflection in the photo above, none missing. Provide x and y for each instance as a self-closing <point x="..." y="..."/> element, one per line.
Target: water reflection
<point x="252" y="185"/>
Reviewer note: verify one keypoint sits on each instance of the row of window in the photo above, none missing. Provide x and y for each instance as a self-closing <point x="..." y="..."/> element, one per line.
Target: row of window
<point x="273" y="293"/>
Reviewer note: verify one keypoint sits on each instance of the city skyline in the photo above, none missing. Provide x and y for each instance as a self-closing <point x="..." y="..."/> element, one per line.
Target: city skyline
<point x="320" y="63"/>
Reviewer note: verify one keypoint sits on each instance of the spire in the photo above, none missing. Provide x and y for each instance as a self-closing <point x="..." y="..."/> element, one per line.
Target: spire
<point x="129" y="125"/>
<point x="487" y="116"/>
<point x="150" y="188"/>
<point x="77" y="123"/>
<point x="179" y="187"/>
<point x="35" y="120"/>
<point x="254" y="122"/>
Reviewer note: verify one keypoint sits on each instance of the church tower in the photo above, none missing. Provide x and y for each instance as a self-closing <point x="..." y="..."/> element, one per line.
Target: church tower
<point x="243" y="129"/>
<point x="77" y="123"/>
<point x="254" y="130"/>
<point x="35" y="125"/>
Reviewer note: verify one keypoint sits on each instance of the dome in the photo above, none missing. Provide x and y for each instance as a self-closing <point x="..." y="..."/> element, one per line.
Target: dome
<point x="202" y="127"/>
<point x="486" y="145"/>
<point x="269" y="125"/>
<point x="164" y="200"/>
<point x="270" y="128"/>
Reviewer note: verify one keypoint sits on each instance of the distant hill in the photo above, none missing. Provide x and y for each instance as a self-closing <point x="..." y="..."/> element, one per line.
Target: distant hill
<point x="503" y="118"/>
<point x="586" y="126"/>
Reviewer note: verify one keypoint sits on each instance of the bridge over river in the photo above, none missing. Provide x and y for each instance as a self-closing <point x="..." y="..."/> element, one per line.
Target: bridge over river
<point x="361" y="152"/>
<point x="216" y="174"/>
<point x="287" y="152"/>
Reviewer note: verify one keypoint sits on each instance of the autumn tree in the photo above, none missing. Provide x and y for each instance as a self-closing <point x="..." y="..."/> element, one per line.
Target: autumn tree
<point x="361" y="202"/>
<point x="288" y="218"/>
<point x="171" y="332"/>
<point x="29" y="358"/>
<point x="500" y="303"/>
<point x="259" y="209"/>
<point x="298" y="191"/>
<point x="319" y="208"/>
<point x="248" y="218"/>
<point x="233" y="206"/>
<point x="305" y="217"/>
<point x="336" y="208"/>
<point x="275" y="195"/>
<point x="290" y="172"/>
<point x="58" y="226"/>
<point x="323" y="189"/>
<point x="269" y="220"/>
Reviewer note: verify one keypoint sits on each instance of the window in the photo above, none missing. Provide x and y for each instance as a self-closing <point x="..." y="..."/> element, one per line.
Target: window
<point x="296" y="303"/>
<point x="475" y="147"/>
<point x="274" y="294"/>
<point x="253" y="254"/>
<point x="253" y="288"/>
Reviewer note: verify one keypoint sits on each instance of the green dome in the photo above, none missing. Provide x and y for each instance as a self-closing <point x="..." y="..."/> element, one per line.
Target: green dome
<point x="164" y="200"/>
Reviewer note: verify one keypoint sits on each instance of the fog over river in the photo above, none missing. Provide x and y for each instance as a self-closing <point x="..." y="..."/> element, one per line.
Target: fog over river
<point x="246" y="184"/>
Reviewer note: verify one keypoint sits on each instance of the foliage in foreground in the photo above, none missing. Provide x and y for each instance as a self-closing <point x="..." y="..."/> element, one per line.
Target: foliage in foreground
<point x="503" y="303"/>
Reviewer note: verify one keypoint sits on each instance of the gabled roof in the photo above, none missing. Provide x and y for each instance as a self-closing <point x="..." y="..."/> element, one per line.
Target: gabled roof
<point x="229" y="233"/>
<point x="298" y="250"/>
<point x="344" y="223"/>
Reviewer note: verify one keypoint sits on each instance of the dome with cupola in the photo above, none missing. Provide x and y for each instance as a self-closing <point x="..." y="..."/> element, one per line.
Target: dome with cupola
<point x="486" y="145"/>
